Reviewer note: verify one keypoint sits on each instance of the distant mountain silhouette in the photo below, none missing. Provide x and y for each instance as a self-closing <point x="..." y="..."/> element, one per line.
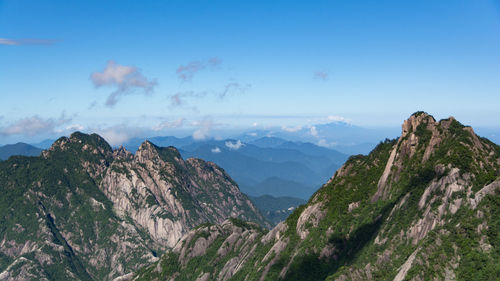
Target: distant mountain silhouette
<point x="19" y="148"/>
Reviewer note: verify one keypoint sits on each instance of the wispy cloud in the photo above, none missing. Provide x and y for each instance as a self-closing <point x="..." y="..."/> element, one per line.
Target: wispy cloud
<point x="215" y="150"/>
<point x="35" y="125"/>
<point x="325" y="143"/>
<point x="71" y="128"/>
<point x="313" y="131"/>
<point x="169" y="124"/>
<point x="179" y="99"/>
<point x="19" y="42"/>
<point x="126" y="80"/>
<point x="234" y="146"/>
<point x="119" y="134"/>
<point x="204" y="128"/>
<point x="291" y="129"/>
<point x="233" y="87"/>
<point x="321" y="75"/>
<point x="337" y="118"/>
<point x="186" y="72"/>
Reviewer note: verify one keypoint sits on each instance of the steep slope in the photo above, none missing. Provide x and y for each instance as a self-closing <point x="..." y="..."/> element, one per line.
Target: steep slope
<point x="425" y="206"/>
<point x="19" y="148"/>
<point x="167" y="196"/>
<point x="82" y="211"/>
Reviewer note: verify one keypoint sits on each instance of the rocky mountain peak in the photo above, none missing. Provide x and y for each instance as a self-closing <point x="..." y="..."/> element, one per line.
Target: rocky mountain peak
<point x="122" y="153"/>
<point x="85" y="212"/>
<point x="423" y="206"/>
<point x="90" y="140"/>
<point x="425" y="142"/>
<point x="147" y="145"/>
<point x="80" y="142"/>
<point x="59" y="144"/>
<point x="148" y="152"/>
<point x="415" y="120"/>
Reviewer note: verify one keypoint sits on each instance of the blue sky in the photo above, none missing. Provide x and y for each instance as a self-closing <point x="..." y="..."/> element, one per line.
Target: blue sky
<point x="126" y="68"/>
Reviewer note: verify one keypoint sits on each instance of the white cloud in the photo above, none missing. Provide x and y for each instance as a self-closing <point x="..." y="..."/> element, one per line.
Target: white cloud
<point x="169" y="124"/>
<point x="291" y="129"/>
<point x="35" y="125"/>
<point x="313" y="131"/>
<point x="231" y="88"/>
<point x="71" y="128"/>
<point x="186" y="72"/>
<point x="336" y="118"/>
<point x="325" y="143"/>
<point x="18" y="42"/>
<point x="234" y="146"/>
<point x="118" y="134"/>
<point x="215" y="150"/>
<point x="234" y="87"/>
<point x="205" y="126"/>
<point x="114" y="137"/>
<point x="179" y="98"/>
<point x="126" y="79"/>
<point x="253" y="134"/>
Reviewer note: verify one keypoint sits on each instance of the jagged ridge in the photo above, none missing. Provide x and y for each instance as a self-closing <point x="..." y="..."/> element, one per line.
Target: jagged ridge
<point x="423" y="206"/>
<point x="82" y="211"/>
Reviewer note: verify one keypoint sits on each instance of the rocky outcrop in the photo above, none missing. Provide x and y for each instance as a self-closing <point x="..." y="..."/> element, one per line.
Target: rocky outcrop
<point x="83" y="211"/>
<point x="168" y="196"/>
<point x="225" y="247"/>
<point x="405" y="267"/>
<point x="421" y="207"/>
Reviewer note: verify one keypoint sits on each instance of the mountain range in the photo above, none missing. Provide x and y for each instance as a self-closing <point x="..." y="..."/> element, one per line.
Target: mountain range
<point x="265" y="166"/>
<point x="271" y="170"/>
<point x="83" y="211"/>
<point x="424" y="206"/>
<point x="289" y="169"/>
<point x="19" y="148"/>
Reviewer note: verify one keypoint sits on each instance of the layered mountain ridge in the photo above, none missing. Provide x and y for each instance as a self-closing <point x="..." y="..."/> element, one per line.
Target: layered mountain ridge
<point x="83" y="211"/>
<point x="18" y="149"/>
<point x="423" y="206"/>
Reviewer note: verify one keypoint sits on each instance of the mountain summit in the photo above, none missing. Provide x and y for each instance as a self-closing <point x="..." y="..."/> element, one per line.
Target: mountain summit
<point x="82" y="211"/>
<point x="423" y="206"/>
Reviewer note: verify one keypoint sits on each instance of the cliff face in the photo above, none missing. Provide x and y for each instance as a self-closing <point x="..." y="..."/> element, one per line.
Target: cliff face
<point x="168" y="196"/>
<point x="424" y="206"/>
<point x="82" y="211"/>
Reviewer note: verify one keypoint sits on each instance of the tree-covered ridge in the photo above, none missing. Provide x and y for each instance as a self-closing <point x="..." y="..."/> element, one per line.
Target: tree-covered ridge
<point x="423" y="206"/>
<point x="82" y="211"/>
<point x="56" y="220"/>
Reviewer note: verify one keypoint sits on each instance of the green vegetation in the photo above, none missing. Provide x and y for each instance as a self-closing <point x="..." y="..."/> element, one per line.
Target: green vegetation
<point x="359" y="229"/>
<point x="55" y="203"/>
<point x="357" y="235"/>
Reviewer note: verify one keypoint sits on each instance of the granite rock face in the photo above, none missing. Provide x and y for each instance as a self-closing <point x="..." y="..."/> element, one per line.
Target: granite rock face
<point x="83" y="211"/>
<point x="425" y="206"/>
<point x="168" y="196"/>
